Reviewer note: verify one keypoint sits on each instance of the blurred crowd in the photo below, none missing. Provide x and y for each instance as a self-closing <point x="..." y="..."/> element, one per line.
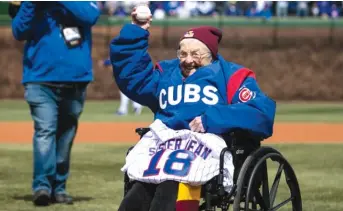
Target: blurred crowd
<point x="266" y="9"/>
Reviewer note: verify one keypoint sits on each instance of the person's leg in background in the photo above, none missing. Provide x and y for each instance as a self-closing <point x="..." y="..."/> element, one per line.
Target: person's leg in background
<point x="124" y="104"/>
<point x="278" y="9"/>
<point x="137" y="108"/>
<point x="71" y="107"/>
<point x="43" y="105"/>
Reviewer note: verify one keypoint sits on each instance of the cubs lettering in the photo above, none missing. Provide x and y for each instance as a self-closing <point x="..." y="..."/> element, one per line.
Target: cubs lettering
<point x="192" y="93"/>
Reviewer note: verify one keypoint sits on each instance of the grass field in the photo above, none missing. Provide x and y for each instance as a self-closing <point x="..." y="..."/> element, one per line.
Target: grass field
<point x="96" y="180"/>
<point x="17" y="110"/>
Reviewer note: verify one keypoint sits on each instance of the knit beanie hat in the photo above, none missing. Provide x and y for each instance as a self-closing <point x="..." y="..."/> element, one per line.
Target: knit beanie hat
<point x="208" y="35"/>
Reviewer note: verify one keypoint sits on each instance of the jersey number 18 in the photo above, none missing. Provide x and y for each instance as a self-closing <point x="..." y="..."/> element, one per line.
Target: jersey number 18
<point x="168" y="167"/>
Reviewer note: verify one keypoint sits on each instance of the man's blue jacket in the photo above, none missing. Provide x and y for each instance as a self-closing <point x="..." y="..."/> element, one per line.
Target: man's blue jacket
<point x="46" y="56"/>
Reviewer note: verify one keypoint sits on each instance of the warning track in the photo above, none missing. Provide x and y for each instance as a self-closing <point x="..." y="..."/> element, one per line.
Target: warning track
<point x="110" y="132"/>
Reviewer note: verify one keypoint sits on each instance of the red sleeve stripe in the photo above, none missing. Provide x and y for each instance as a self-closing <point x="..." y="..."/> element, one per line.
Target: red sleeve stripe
<point x="236" y="81"/>
<point x="158" y="66"/>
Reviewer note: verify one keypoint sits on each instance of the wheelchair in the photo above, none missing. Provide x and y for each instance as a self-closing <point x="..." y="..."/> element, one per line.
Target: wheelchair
<point x="250" y="191"/>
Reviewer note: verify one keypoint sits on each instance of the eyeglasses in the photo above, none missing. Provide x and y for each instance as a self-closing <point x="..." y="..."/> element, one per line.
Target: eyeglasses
<point x="196" y="55"/>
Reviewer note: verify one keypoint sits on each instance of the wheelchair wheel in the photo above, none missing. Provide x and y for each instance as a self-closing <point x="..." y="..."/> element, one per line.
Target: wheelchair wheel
<point x="253" y="193"/>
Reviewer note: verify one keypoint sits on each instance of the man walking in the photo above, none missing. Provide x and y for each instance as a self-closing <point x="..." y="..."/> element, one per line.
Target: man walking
<point x="124" y="100"/>
<point x="57" y="68"/>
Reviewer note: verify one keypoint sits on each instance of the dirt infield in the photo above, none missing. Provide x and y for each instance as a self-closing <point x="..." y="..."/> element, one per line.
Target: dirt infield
<point x="107" y="132"/>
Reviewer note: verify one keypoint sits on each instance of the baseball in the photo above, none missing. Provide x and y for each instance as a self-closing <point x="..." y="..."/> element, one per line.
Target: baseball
<point x="143" y="13"/>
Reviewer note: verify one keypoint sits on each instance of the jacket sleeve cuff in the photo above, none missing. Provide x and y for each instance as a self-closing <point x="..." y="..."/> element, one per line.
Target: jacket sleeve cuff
<point x="133" y="32"/>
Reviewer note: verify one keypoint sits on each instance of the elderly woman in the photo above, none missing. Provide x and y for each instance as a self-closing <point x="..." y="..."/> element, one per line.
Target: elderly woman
<point x="198" y="91"/>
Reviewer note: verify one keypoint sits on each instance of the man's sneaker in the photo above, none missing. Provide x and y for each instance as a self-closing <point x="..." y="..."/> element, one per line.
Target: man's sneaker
<point x="62" y="198"/>
<point x="120" y="113"/>
<point x="41" y="198"/>
<point x="137" y="111"/>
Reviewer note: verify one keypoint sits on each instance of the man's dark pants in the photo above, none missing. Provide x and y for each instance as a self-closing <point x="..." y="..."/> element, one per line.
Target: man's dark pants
<point x="55" y="109"/>
<point x="151" y="197"/>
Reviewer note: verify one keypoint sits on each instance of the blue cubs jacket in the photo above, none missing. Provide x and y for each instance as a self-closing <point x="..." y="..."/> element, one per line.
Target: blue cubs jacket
<point x="46" y="56"/>
<point x="224" y="94"/>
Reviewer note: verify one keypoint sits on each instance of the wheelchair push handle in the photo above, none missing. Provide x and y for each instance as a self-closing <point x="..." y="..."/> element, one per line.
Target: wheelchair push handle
<point x="141" y="131"/>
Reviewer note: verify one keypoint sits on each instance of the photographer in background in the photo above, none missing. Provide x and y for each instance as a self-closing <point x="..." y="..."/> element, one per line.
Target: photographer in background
<point x="57" y="67"/>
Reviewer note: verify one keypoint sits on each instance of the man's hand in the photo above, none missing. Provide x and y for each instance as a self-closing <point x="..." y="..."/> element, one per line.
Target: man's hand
<point x="196" y="125"/>
<point x="144" y="25"/>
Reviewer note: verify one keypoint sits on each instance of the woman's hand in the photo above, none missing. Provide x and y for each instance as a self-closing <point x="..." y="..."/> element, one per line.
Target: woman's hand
<point x="196" y="125"/>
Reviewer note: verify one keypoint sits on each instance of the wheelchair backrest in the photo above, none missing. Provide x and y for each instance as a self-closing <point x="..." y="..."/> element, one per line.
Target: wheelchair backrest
<point x="142" y="130"/>
<point x="241" y="144"/>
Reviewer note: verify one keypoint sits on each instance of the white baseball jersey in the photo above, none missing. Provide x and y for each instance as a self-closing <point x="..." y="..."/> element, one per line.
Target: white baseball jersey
<point x="184" y="156"/>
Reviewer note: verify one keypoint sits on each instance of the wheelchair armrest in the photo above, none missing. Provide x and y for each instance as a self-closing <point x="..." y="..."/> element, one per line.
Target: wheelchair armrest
<point x="142" y="130"/>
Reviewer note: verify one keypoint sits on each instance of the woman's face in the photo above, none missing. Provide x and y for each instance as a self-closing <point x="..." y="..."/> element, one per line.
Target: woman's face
<point x="193" y="54"/>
